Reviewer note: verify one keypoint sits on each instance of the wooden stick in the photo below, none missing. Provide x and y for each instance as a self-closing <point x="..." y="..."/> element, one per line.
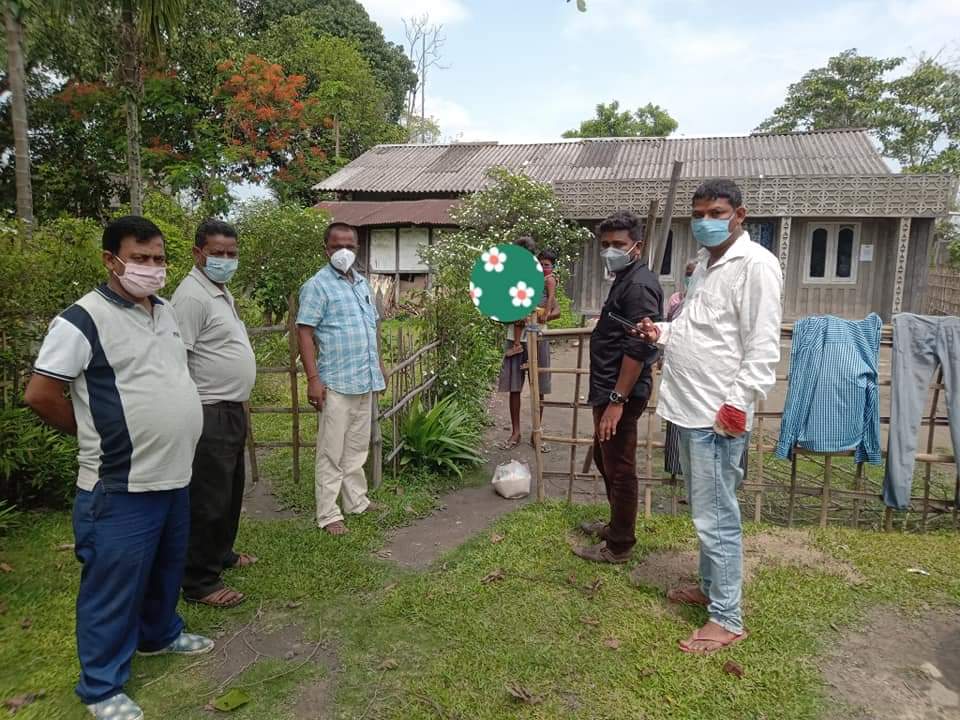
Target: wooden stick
<point x="251" y="446"/>
<point x="758" y="495"/>
<point x="651" y="418"/>
<point x="931" y="431"/>
<point x="857" y="503"/>
<point x="793" y="489"/>
<point x="667" y="215"/>
<point x="825" y="500"/>
<point x="576" y="415"/>
<point x="534" y="369"/>
<point x="294" y="383"/>
<point x="649" y="232"/>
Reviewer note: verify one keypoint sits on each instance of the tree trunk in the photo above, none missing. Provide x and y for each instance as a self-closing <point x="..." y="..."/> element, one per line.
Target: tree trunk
<point x="131" y="79"/>
<point x="18" y="112"/>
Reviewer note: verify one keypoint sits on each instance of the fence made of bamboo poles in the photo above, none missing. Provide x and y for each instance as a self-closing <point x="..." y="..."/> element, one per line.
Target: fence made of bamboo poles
<point x="765" y="481"/>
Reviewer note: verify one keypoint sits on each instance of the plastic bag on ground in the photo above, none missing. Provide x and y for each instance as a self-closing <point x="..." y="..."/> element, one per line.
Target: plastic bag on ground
<point x="512" y="480"/>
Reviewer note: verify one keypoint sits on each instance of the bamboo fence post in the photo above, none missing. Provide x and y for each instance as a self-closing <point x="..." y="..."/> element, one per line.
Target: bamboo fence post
<point x="791" y="500"/>
<point x="397" y="392"/>
<point x="251" y="445"/>
<point x="576" y="413"/>
<point x="857" y="502"/>
<point x="651" y="417"/>
<point x="888" y="519"/>
<point x="758" y="496"/>
<point x="931" y="430"/>
<point x="533" y="336"/>
<point x="294" y="382"/>
<point x="825" y="497"/>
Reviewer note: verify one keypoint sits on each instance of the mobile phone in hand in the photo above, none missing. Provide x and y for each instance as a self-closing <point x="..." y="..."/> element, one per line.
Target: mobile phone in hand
<point x="622" y="320"/>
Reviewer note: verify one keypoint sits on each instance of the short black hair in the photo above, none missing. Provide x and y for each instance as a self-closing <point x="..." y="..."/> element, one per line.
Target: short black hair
<point x="623" y="220"/>
<point x="135" y="226"/>
<point x="527" y="243"/>
<point x="719" y="188"/>
<point x="547" y="254"/>
<point x="212" y="226"/>
<point x="333" y="227"/>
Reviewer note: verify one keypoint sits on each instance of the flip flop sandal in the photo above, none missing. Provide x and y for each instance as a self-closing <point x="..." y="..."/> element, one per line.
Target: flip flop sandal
<point x="119" y="707"/>
<point x="245" y="560"/>
<point x="507" y="445"/>
<point x="720" y="645"/>
<point x="185" y="644"/>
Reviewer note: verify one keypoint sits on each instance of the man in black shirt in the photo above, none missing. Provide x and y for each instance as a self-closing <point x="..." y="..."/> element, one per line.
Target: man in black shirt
<point x="620" y="383"/>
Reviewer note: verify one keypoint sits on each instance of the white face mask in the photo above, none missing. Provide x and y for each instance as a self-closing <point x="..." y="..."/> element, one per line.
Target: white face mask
<point x="343" y="259"/>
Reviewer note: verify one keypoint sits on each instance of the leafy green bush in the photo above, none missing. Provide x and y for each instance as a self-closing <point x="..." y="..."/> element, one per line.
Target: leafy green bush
<point x="281" y="245"/>
<point x="441" y="438"/>
<point x="38" y="465"/>
<point x="513" y="206"/>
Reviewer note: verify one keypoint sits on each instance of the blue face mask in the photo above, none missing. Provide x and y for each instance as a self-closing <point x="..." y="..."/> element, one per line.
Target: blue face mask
<point x="220" y="270"/>
<point x="710" y="232"/>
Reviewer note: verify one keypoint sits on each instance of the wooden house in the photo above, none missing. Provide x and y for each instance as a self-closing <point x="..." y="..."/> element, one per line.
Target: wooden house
<point x="851" y="236"/>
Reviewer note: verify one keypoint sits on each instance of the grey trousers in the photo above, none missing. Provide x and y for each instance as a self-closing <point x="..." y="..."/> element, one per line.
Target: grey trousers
<point x="920" y="343"/>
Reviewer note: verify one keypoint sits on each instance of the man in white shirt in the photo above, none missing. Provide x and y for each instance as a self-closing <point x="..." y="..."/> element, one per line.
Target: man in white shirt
<point x="223" y="366"/>
<point x="721" y="355"/>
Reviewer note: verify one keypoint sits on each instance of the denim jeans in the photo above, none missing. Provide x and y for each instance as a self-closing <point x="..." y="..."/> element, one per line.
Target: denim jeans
<point x="132" y="547"/>
<point x="711" y="466"/>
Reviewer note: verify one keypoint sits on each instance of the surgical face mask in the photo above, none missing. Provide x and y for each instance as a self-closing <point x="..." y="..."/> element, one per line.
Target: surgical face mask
<point x="615" y="259"/>
<point x="141" y="280"/>
<point x="343" y="259"/>
<point x="710" y="232"/>
<point x="219" y="269"/>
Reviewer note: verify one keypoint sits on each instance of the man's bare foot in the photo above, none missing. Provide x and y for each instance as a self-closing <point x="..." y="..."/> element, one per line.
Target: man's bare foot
<point x="688" y="595"/>
<point x="336" y="528"/>
<point x="711" y="638"/>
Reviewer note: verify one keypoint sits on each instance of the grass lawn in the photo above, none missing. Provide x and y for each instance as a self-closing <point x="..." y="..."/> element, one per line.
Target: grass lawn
<point x="445" y="644"/>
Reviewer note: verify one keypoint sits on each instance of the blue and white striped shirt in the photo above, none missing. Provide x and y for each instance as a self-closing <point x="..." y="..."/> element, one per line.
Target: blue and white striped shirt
<point x="833" y="399"/>
<point x="344" y="321"/>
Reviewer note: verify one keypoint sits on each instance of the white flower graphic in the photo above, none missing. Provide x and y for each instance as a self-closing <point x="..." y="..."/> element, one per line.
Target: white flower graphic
<point x="493" y="260"/>
<point x="522" y="294"/>
<point x="475" y="293"/>
<point x="539" y="266"/>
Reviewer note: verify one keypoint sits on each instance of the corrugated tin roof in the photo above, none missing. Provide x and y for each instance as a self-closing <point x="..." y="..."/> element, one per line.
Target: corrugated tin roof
<point x="462" y="167"/>
<point x="394" y="212"/>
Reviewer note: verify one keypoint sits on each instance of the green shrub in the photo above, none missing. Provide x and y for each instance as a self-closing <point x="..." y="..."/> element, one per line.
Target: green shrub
<point x="281" y="245"/>
<point x="38" y="465"/>
<point x="443" y="438"/>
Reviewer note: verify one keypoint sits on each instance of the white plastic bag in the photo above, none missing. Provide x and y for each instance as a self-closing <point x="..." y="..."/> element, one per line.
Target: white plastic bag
<point x="512" y="480"/>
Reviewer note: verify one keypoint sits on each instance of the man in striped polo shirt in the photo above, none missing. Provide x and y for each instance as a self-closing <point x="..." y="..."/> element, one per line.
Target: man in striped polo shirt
<point x="137" y="417"/>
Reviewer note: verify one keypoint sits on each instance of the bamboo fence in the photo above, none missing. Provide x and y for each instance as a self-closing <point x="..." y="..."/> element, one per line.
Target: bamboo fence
<point x="843" y="494"/>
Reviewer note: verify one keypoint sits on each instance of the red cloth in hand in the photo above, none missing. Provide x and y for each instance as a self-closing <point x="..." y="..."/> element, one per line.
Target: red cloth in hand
<point x="732" y="419"/>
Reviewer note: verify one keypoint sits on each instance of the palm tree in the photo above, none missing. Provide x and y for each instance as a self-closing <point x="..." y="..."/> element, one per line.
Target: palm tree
<point x="145" y="25"/>
<point x="13" y="20"/>
<point x="143" y="28"/>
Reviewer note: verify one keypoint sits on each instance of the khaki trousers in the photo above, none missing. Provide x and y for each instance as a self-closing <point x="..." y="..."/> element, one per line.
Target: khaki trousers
<point x="343" y="441"/>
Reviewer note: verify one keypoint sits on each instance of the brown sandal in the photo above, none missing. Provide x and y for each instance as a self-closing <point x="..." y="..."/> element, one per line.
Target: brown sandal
<point x="218" y="598"/>
<point x="716" y="645"/>
<point x="336" y="528"/>
<point x="689" y="595"/>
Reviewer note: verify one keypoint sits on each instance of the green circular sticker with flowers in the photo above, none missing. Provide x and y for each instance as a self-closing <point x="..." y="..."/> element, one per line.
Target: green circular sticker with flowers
<point x="506" y="284"/>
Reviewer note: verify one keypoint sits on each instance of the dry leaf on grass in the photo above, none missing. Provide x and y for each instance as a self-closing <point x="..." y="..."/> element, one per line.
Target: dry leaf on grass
<point x="732" y="668"/>
<point x="521" y="694"/>
<point x="4" y="567"/>
<point x="21" y="701"/>
<point x="388" y="664"/>
<point x="26" y="623"/>
<point x="65" y="546"/>
<point x="494" y="576"/>
<point x="495" y="538"/>
<point x="294" y="604"/>
<point x="612" y="643"/>
<point x="647" y="672"/>
<point x="593" y="622"/>
<point x="593" y="587"/>
<point x="390" y="586"/>
<point x="572" y="579"/>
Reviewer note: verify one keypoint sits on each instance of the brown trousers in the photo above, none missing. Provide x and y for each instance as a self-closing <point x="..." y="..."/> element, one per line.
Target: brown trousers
<point x="616" y="460"/>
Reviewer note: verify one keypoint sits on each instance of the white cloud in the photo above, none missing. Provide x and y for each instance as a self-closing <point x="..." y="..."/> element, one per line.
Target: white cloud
<point x="390" y="12"/>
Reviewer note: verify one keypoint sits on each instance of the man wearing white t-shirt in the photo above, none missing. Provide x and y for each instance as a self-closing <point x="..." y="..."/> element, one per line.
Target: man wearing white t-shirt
<point x="137" y="417"/>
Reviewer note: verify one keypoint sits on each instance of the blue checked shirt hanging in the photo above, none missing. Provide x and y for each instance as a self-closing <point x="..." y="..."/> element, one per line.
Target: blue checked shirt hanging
<point x="833" y="398"/>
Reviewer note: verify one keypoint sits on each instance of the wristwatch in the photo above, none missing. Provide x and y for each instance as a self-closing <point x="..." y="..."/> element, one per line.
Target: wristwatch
<point x="617" y="399"/>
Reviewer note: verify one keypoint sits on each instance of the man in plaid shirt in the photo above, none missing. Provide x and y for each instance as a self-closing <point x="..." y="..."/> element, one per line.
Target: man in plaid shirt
<point x="337" y="333"/>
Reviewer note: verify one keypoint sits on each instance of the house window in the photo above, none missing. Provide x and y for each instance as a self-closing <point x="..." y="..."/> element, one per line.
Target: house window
<point x="831" y="253"/>
<point x="761" y="233"/>
<point x="666" y="265"/>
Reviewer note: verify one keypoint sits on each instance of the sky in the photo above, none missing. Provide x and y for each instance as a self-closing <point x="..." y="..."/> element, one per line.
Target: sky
<point x="526" y="70"/>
